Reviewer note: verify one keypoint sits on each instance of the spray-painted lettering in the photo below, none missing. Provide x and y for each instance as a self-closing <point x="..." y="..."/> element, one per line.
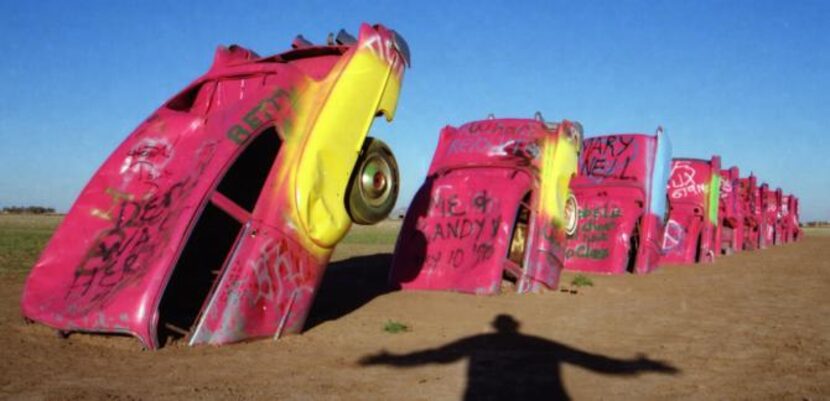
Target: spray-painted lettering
<point x="610" y="156"/>
<point x="264" y="111"/>
<point x="591" y="240"/>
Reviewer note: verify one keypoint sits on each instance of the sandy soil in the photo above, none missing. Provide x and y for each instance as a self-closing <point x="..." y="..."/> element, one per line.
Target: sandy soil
<point x="754" y="326"/>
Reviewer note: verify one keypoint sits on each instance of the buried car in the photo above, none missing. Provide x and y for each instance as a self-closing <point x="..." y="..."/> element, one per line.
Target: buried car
<point x="216" y="217"/>
<point x="790" y="225"/>
<point x="620" y="193"/>
<point x="691" y="230"/>
<point x="493" y="205"/>
<point x="731" y="232"/>
<point x="771" y="199"/>
<point x="750" y="202"/>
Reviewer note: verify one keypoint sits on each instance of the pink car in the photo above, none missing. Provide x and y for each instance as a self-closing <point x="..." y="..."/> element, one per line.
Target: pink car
<point x="791" y="230"/>
<point x="621" y="196"/>
<point x="493" y="205"/>
<point x="769" y="215"/>
<point x="774" y="215"/>
<point x="750" y="201"/>
<point x="215" y="218"/>
<point x="691" y="231"/>
<point x="731" y="232"/>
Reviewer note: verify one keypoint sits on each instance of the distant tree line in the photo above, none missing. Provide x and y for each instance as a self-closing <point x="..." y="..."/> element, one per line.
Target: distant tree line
<point x="817" y="224"/>
<point x="28" y="210"/>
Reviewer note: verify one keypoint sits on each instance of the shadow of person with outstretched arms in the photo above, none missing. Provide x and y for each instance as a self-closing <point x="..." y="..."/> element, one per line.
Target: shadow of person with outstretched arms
<point x="508" y="365"/>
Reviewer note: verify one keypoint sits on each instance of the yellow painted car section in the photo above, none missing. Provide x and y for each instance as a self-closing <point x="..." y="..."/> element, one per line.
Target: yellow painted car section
<point x="559" y="164"/>
<point x="357" y="92"/>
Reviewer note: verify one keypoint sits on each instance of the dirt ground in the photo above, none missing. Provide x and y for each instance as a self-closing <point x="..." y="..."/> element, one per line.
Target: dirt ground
<point x="754" y="326"/>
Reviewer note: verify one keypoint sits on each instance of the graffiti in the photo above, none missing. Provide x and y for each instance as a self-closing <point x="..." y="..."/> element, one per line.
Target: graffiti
<point x="123" y="252"/>
<point x="385" y="49"/>
<point x="498" y="127"/>
<point x="482" y="201"/>
<point x="446" y="206"/>
<point x="456" y="258"/>
<point x="673" y="236"/>
<point x="591" y="240"/>
<point x="610" y="156"/>
<point x="451" y="206"/>
<point x="116" y="198"/>
<point x="682" y="175"/>
<point x="682" y="182"/>
<point x="551" y="241"/>
<point x="471" y="144"/>
<point x="147" y="160"/>
<point x="482" y="230"/>
<point x="725" y="188"/>
<point x="600" y="212"/>
<point x="278" y="273"/>
<point x="695" y="189"/>
<point x="496" y="139"/>
<point x="594" y="226"/>
<point x="461" y="229"/>
<point x="494" y="146"/>
<point x="482" y="252"/>
<point x="264" y="111"/>
<point x="587" y="252"/>
<point x="621" y="186"/>
<point x="141" y="227"/>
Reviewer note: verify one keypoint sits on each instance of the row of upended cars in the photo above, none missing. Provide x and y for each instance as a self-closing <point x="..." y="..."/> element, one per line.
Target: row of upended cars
<point x="215" y="219"/>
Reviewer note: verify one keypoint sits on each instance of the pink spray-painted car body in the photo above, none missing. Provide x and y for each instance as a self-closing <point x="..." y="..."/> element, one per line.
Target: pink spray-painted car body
<point x="750" y="202"/>
<point x="731" y="229"/>
<point x="205" y="220"/>
<point x="691" y="230"/>
<point x="621" y="196"/>
<point x="772" y="215"/>
<point x="467" y="217"/>
<point x="790" y="224"/>
<point x="769" y="215"/>
<point x="765" y="232"/>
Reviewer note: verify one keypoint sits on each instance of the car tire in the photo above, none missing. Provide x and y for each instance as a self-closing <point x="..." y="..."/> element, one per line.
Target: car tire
<point x="374" y="184"/>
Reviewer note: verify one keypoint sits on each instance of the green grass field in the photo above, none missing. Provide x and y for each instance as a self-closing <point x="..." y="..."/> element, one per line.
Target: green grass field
<point x="818" y="231"/>
<point x="22" y="237"/>
<point x="383" y="233"/>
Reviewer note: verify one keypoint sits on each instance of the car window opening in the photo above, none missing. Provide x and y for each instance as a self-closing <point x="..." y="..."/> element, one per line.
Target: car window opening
<point x="196" y="271"/>
<point x="244" y="180"/>
<point x="213" y="237"/>
<point x="518" y="243"/>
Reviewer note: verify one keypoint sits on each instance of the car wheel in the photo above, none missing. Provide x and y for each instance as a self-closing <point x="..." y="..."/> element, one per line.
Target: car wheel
<point x="374" y="184"/>
<point x="571" y="215"/>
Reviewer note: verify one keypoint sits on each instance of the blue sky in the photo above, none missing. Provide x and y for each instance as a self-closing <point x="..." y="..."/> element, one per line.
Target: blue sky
<point x="749" y="80"/>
